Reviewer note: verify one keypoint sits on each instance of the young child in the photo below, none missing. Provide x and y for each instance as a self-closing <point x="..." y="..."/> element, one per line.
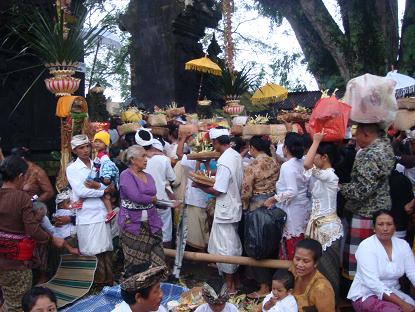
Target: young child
<point x="216" y="295"/>
<point x="39" y="299"/>
<point x="41" y="215"/>
<point x="280" y="298"/>
<point x="105" y="171"/>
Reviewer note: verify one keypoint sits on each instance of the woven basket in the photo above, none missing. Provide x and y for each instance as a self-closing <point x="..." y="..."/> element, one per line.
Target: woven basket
<point x="160" y="131"/>
<point x="201" y="179"/>
<point x="157" y="120"/>
<point x="404" y="119"/>
<point x="203" y="156"/>
<point x="293" y="117"/>
<point x="406" y="103"/>
<point x="128" y="128"/>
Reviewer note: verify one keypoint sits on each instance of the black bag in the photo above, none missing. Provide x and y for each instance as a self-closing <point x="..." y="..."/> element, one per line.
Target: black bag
<point x="263" y="232"/>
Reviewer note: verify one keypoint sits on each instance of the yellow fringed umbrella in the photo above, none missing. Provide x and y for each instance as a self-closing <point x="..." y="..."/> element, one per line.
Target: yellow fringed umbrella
<point x="204" y="65"/>
<point x="269" y="93"/>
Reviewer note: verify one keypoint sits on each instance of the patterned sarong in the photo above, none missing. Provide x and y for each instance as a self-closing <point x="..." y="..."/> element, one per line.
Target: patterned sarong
<point x="141" y="248"/>
<point x="360" y="228"/>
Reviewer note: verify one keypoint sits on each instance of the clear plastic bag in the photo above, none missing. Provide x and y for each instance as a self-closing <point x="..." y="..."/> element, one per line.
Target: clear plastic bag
<point x="372" y="99"/>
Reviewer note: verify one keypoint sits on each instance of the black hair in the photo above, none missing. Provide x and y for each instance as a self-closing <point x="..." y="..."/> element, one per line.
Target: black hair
<point x="285" y="277"/>
<point x="11" y="167"/>
<point x="20" y="151"/>
<point x="260" y="144"/>
<point x="238" y="143"/>
<point x="223" y="139"/>
<point x="216" y="284"/>
<point x="307" y="140"/>
<point x="312" y="245"/>
<point x="129" y="138"/>
<point x="295" y="145"/>
<point x="372" y="128"/>
<point x="380" y="212"/>
<point x="329" y="149"/>
<point x="129" y="296"/>
<point x="173" y="130"/>
<point x="145" y="135"/>
<point x="30" y="298"/>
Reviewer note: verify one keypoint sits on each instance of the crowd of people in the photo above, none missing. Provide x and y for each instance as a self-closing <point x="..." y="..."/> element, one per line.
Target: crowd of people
<point x="347" y="206"/>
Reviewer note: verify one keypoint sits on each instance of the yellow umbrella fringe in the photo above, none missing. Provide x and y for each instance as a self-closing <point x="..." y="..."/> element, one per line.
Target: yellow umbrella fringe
<point x="269" y="100"/>
<point x="203" y="69"/>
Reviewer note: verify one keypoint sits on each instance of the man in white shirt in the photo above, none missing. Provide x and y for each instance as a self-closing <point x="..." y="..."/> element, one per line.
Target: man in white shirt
<point x="94" y="235"/>
<point x="224" y="239"/>
<point x="140" y="289"/>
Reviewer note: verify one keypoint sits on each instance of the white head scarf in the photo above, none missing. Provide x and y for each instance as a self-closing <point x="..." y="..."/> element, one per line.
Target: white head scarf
<point x="141" y="141"/>
<point x="78" y="140"/>
<point x="215" y="133"/>
<point x="157" y="144"/>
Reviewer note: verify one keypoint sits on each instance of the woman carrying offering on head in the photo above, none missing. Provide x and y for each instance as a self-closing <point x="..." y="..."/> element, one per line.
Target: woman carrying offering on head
<point x="324" y="225"/>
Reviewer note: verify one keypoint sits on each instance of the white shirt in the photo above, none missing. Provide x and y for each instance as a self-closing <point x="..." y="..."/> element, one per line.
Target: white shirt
<point x="229" y="307"/>
<point x="376" y="275"/>
<point x="66" y="230"/>
<point x="159" y="167"/>
<point x="288" y="304"/>
<point x="193" y="196"/>
<point x="124" y="307"/>
<point x="291" y="197"/>
<point x="324" y="185"/>
<point x="93" y="209"/>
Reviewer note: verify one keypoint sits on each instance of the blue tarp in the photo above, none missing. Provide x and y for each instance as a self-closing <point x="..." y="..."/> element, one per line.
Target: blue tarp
<point x="110" y="296"/>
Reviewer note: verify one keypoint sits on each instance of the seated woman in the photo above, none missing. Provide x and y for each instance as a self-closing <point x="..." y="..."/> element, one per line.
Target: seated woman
<point x="312" y="290"/>
<point x="381" y="260"/>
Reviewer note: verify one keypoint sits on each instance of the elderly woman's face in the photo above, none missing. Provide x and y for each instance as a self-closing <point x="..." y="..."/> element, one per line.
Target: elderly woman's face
<point x="304" y="262"/>
<point x="384" y="227"/>
<point x="139" y="162"/>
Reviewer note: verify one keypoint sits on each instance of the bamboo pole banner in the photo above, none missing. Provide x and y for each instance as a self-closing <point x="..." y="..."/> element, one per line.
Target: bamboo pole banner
<point x="205" y="257"/>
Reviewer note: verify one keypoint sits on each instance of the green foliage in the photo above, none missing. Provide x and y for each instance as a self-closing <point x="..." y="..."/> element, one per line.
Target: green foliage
<point x="232" y="83"/>
<point x="45" y="34"/>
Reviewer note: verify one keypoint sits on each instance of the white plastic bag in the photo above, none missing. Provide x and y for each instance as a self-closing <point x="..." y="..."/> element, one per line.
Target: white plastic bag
<point x="372" y="99"/>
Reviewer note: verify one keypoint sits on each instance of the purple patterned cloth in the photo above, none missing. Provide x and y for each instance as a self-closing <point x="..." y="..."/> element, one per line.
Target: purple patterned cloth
<point x="373" y="304"/>
<point x="136" y="191"/>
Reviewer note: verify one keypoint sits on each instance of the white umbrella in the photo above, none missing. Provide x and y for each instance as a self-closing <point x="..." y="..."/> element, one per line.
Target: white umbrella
<point x="404" y="84"/>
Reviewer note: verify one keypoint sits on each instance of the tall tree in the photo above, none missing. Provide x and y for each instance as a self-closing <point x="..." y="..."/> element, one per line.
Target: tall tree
<point x="369" y="41"/>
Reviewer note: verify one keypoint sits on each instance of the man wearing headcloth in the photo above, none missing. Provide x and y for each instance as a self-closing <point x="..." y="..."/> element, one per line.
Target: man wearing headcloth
<point x="224" y="239"/>
<point x="216" y="296"/>
<point x="94" y="235"/>
<point x="140" y="289"/>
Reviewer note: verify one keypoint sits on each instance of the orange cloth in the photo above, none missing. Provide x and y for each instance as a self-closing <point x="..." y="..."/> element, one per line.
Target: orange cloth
<point x="318" y="295"/>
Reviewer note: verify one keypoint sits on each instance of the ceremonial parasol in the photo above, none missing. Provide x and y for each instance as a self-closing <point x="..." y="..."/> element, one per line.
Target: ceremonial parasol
<point x="203" y="65"/>
<point x="269" y="93"/>
<point x="404" y="84"/>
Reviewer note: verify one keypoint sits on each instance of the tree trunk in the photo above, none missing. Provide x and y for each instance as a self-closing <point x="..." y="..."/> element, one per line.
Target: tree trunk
<point x="407" y="49"/>
<point x="320" y="61"/>
<point x="369" y="43"/>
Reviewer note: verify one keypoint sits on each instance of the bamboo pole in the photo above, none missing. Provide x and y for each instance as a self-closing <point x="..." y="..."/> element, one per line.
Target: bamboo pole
<point x="205" y="257"/>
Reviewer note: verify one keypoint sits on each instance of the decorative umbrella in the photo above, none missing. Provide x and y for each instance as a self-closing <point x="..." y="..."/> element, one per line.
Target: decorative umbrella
<point x="203" y="65"/>
<point x="269" y="93"/>
<point x="404" y="84"/>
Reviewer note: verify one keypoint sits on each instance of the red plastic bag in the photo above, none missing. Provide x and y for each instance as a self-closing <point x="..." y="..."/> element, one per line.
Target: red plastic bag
<point x="331" y="116"/>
